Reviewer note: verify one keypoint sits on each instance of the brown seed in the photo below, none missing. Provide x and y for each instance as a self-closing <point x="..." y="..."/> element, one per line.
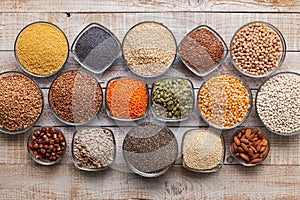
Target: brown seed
<point x="244" y="141"/>
<point x="239" y="135"/>
<point x="250" y="138"/>
<point x="254" y="139"/>
<point x="264" y="141"/>
<point x="237" y="154"/>
<point x="233" y="148"/>
<point x="254" y="161"/>
<point x="255" y="156"/>
<point x="258" y="145"/>
<point x="248" y="132"/>
<point x="250" y="152"/>
<point x="260" y="135"/>
<point x="240" y="150"/>
<point x="262" y="149"/>
<point x="254" y="149"/>
<point x="237" y="141"/>
<point x="244" y="147"/>
<point x="263" y="154"/>
<point x="244" y="157"/>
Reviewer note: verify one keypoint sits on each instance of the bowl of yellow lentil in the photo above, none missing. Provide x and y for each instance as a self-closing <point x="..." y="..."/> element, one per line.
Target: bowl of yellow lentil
<point x="41" y="49"/>
<point x="224" y="101"/>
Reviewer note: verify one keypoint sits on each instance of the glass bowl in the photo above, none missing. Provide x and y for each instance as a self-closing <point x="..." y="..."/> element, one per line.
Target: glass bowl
<point x="120" y="97"/>
<point x="282" y="49"/>
<point x="150" y="42"/>
<point x="99" y="47"/>
<point x="150" y="149"/>
<point x="218" y="105"/>
<point x="50" y="139"/>
<point x="6" y="126"/>
<point x="253" y="153"/>
<point x="167" y="94"/>
<point x="273" y="108"/>
<point x="81" y="112"/>
<point x="198" y="53"/>
<point x="41" y="42"/>
<point x="213" y="158"/>
<point x="88" y="133"/>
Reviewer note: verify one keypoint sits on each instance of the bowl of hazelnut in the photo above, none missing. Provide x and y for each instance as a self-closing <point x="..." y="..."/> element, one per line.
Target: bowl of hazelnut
<point x="46" y="145"/>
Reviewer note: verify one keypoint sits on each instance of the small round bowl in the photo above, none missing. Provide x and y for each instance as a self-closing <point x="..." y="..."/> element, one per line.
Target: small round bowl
<point x="238" y="149"/>
<point x="83" y="34"/>
<point x="214" y="92"/>
<point x="36" y="153"/>
<point x="17" y="58"/>
<point x="280" y="60"/>
<point x="259" y="116"/>
<point x="140" y="159"/>
<point x="68" y="122"/>
<point x="12" y="73"/>
<point x="168" y="119"/>
<point x="81" y="167"/>
<point x="107" y="106"/>
<point x="130" y="32"/>
<point x="208" y="170"/>
<point x="216" y="65"/>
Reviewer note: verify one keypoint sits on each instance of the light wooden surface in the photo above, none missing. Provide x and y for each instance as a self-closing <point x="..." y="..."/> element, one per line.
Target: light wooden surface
<point x="277" y="178"/>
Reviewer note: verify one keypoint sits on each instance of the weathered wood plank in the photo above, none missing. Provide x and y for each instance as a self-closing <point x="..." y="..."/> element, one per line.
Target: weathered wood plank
<point x="66" y="182"/>
<point x="179" y="22"/>
<point x="146" y="6"/>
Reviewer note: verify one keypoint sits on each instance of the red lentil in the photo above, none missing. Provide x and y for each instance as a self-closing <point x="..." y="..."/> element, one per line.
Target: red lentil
<point x="127" y="98"/>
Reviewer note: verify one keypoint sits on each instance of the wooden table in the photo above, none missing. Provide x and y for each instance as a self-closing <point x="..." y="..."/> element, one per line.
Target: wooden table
<point x="277" y="178"/>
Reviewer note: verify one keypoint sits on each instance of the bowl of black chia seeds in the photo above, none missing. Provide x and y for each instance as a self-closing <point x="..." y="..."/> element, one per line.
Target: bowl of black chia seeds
<point x="203" y="150"/>
<point x="150" y="149"/>
<point x="202" y="50"/>
<point x="149" y="49"/>
<point x="278" y="103"/>
<point x="96" y="48"/>
<point x="258" y="49"/>
<point x="172" y="99"/>
<point x="93" y="149"/>
<point x="21" y="102"/>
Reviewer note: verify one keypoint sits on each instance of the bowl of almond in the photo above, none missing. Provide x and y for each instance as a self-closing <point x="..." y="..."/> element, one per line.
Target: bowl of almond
<point x="249" y="146"/>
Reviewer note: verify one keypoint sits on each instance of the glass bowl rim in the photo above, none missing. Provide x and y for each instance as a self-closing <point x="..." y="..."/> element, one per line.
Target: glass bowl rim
<point x="18" y="61"/>
<point x="125" y="60"/>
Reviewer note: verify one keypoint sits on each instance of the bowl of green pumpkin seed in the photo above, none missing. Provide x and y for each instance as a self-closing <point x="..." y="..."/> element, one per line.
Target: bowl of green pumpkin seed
<point x="172" y="99"/>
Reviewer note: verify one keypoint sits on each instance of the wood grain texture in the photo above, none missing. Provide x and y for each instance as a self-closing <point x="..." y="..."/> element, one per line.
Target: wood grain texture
<point x="276" y="178"/>
<point x="180" y="23"/>
<point x="66" y="182"/>
<point x="150" y="5"/>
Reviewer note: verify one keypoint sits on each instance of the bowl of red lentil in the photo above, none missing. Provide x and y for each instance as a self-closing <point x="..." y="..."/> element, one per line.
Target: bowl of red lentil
<point x="46" y="145"/>
<point x="202" y="50"/>
<point x="21" y="102"/>
<point x="258" y="49"/>
<point x="126" y="98"/>
<point x="41" y="49"/>
<point x="75" y="97"/>
<point x="149" y="49"/>
<point x="224" y="101"/>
